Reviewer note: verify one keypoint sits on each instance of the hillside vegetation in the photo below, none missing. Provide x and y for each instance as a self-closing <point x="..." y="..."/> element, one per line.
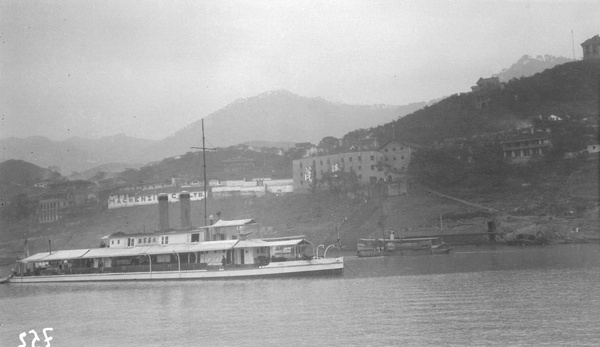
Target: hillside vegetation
<point x="569" y="89"/>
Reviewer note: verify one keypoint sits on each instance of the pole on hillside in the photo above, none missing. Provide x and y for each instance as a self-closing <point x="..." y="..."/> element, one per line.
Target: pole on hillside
<point x="381" y="218"/>
<point x="573" y="43"/>
<point x="204" y="169"/>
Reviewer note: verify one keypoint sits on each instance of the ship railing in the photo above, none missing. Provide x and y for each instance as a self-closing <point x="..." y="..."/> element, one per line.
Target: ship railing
<point x="121" y="268"/>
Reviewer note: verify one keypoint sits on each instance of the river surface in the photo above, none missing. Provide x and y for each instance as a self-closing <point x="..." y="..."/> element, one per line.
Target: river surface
<point x="474" y="296"/>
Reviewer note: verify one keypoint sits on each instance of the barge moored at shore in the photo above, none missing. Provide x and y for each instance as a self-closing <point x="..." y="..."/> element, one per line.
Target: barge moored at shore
<point x="403" y="246"/>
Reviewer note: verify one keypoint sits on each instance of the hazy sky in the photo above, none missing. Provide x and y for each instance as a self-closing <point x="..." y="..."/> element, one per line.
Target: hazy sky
<point x="149" y="68"/>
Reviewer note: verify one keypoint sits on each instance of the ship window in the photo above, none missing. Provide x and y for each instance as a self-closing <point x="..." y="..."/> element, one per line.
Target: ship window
<point x="196" y="237"/>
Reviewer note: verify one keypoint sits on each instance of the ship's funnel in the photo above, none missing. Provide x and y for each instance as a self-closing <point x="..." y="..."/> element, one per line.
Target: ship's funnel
<point x="163" y="212"/>
<point x="184" y="198"/>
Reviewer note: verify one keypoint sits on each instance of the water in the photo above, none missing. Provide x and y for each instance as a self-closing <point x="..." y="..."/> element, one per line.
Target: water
<point x="475" y="296"/>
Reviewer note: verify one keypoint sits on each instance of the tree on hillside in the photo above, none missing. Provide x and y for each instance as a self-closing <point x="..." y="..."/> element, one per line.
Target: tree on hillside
<point x="340" y="181"/>
<point x="19" y="208"/>
<point x="435" y="167"/>
<point x="329" y="144"/>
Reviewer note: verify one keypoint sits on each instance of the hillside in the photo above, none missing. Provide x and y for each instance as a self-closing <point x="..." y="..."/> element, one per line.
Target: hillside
<point x="569" y="89"/>
<point x="75" y="154"/>
<point x="278" y="116"/>
<point x="319" y="216"/>
<point x="18" y="176"/>
<point x="189" y="166"/>
<point x="106" y="170"/>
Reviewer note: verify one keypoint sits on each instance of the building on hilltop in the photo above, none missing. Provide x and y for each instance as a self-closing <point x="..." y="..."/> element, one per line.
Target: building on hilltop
<point x="43" y="184"/>
<point x="523" y="147"/>
<point x="368" y="144"/>
<point x="484" y="84"/>
<point x="591" y="48"/>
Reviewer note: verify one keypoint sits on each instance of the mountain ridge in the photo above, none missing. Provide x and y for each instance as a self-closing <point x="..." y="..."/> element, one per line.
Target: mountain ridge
<point x="73" y="154"/>
<point x="275" y="116"/>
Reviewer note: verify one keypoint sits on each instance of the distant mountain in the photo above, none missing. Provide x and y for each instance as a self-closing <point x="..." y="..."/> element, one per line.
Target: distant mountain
<point x="103" y="171"/>
<point x="277" y="116"/>
<point x="75" y="154"/>
<point x="529" y="66"/>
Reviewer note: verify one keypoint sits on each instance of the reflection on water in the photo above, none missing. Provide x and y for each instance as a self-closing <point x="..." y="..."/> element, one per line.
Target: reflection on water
<point x="476" y="296"/>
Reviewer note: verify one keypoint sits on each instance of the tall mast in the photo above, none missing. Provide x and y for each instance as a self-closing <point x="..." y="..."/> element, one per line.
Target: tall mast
<point x="204" y="167"/>
<point x="203" y="148"/>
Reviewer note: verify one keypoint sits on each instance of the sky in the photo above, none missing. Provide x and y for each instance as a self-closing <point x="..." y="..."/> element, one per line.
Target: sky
<point x="149" y="68"/>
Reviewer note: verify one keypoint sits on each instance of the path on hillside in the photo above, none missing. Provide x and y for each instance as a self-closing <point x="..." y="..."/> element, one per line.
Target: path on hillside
<point x="460" y="200"/>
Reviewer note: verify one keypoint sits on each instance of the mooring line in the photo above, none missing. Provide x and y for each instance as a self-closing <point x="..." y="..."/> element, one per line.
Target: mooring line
<point x="346" y="266"/>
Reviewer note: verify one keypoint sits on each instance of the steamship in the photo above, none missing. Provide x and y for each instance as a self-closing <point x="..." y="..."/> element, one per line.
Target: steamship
<point x="222" y="250"/>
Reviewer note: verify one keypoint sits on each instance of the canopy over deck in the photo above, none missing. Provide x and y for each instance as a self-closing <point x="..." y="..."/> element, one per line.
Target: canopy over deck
<point x="115" y="252"/>
<point x="251" y="244"/>
<point x="66" y="254"/>
<point x="35" y="258"/>
<point x="232" y="223"/>
<point x="287" y="243"/>
<point x="159" y="249"/>
<point x="213" y="246"/>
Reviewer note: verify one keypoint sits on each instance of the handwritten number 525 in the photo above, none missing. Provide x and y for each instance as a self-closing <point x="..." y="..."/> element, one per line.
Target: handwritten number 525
<point x="35" y="338"/>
